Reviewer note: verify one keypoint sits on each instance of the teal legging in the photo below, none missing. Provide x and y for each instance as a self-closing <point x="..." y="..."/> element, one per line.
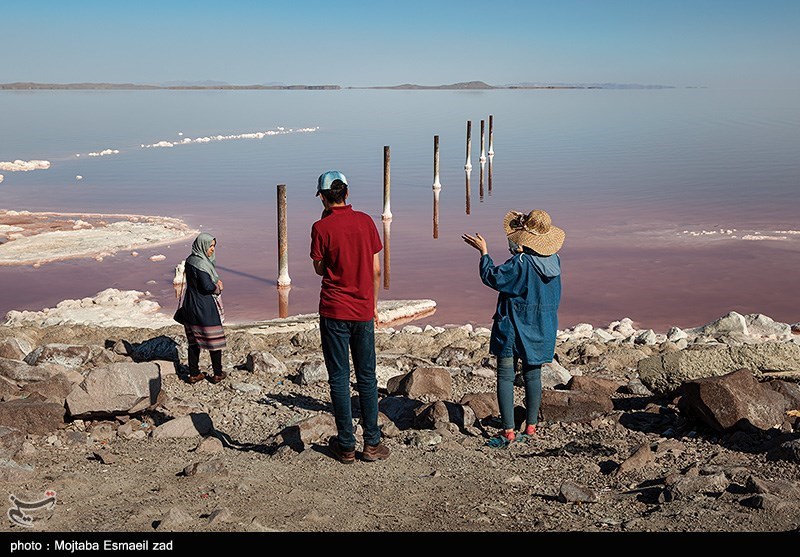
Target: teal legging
<point x="532" y="375"/>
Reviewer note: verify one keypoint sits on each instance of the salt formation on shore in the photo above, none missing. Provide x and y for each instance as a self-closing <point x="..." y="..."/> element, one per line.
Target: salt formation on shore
<point x="24" y="166"/>
<point x="132" y="308"/>
<point x="36" y="238"/>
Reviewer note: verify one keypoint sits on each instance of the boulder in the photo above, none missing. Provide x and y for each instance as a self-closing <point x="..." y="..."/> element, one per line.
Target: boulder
<point x="734" y="401"/>
<point x="121" y="388"/>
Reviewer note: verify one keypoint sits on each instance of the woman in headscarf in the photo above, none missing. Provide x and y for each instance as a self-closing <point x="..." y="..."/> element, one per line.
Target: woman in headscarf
<point x="202" y="309"/>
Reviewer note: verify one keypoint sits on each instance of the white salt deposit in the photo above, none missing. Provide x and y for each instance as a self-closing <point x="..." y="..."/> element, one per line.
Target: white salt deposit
<point x="1" y="178"/>
<point x="104" y="152"/>
<point x="207" y="139"/>
<point x="79" y="177"/>
<point x="24" y="166"/>
<point x="158" y="257"/>
<point x="762" y="237"/>
<point x="748" y="235"/>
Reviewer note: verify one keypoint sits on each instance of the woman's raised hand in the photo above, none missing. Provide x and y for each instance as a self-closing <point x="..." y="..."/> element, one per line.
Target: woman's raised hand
<point x="476" y="242"/>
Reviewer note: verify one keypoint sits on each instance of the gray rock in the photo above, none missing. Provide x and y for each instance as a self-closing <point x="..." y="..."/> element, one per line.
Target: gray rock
<point x="573" y="406"/>
<point x="663" y="374"/>
<point x="312" y="372"/>
<point x="554" y="375"/>
<point x="11" y="440"/>
<point x="315" y="429"/>
<point x="483" y="405"/>
<point x="174" y="520"/>
<point x="192" y="425"/>
<point x="692" y="485"/>
<point x="425" y="438"/>
<point x="21" y="371"/>
<point x="266" y="363"/>
<point x="31" y="415"/>
<point x="13" y="472"/>
<point x="213" y="467"/>
<point x="427" y="384"/>
<point x="67" y="355"/>
<point x="733" y="401"/>
<point x="571" y="492"/>
<point x="122" y="388"/>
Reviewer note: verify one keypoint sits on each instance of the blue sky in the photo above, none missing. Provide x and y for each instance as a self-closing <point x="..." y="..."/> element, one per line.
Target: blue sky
<point x="714" y="43"/>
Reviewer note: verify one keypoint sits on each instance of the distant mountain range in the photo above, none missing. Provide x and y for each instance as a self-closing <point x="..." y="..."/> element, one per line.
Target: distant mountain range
<point x="203" y="85"/>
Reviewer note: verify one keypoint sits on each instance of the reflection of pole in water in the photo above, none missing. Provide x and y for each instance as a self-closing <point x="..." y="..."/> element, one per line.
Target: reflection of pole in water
<point x="491" y="137"/>
<point x="467" y="173"/>
<point x="283" y="247"/>
<point x="483" y="141"/>
<point x="387" y="233"/>
<point x="436" y="184"/>
<point x="436" y="213"/>
<point x="483" y="165"/>
<point x="468" y="165"/>
<point x="283" y="301"/>
<point x="387" y="211"/>
<point x="490" y="173"/>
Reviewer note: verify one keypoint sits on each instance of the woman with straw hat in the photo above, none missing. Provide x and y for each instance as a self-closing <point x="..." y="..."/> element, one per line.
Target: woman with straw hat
<point x="525" y="322"/>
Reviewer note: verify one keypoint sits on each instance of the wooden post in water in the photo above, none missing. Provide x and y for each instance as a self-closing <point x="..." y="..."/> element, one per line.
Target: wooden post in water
<point x="468" y="164"/>
<point x="283" y="248"/>
<point x="483" y="141"/>
<point x="490" y="173"/>
<point x="436" y="184"/>
<point x="467" y="173"/>
<point x="387" y="211"/>
<point x="387" y="234"/>
<point x="283" y="301"/>
<point x="491" y="138"/>
<point x="436" y="212"/>
<point x="480" y="187"/>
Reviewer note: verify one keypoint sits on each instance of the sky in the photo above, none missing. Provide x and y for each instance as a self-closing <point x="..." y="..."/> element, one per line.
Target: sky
<point x="706" y="43"/>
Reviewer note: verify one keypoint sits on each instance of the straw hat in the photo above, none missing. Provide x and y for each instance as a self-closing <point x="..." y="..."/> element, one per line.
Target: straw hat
<point x="534" y="230"/>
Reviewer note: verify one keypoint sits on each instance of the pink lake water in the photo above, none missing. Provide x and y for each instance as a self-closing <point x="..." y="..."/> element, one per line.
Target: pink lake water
<point x="680" y="205"/>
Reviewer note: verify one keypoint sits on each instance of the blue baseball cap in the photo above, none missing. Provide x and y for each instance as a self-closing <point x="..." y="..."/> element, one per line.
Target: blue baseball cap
<point x="326" y="179"/>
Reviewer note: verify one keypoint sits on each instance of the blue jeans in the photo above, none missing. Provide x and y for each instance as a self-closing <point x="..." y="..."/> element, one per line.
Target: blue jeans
<point x="338" y="339"/>
<point x="532" y="375"/>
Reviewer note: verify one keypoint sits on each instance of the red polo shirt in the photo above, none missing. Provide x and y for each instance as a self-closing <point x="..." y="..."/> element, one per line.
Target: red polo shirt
<point x="346" y="241"/>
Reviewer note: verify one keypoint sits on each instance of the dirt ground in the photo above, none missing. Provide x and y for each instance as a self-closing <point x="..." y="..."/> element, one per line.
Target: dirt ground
<point x="457" y="485"/>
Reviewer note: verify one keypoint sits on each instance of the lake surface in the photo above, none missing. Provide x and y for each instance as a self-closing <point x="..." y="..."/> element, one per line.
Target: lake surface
<point x="680" y="205"/>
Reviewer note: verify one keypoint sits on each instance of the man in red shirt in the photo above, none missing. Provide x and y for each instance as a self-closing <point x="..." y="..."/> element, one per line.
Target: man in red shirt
<point x="344" y="248"/>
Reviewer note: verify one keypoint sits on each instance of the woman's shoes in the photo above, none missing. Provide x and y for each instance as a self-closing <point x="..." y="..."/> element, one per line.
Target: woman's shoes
<point x="217" y="377"/>
<point x="502" y="440"/>
<point x="195" y="377"/>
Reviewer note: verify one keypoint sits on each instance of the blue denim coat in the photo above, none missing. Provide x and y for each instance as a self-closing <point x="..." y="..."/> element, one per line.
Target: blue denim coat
<point x="526" y="318"/>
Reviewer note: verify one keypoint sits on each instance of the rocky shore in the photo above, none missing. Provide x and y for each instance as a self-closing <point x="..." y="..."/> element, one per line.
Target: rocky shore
<point x="695" y="430"/>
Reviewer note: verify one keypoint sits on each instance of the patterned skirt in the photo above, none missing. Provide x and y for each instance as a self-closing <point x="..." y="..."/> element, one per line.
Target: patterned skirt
<point x="208" y="338"/>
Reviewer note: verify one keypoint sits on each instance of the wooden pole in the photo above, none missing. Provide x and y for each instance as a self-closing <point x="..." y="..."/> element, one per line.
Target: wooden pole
<point x="491" y="135"/>
<point x="387" y="234"/>
<point x="468" y="164"/>
<point x="490" y="174"/>
<point x="436" y="213"/>
<point x="283" y="247"/>
<point x="480" y="187"/>
<point x="436" y="184"/>
<point x="483" y="141"/>
<point x="468" y="190"/>
<point x="387" y="211"/>
<point x="283" y="301"/>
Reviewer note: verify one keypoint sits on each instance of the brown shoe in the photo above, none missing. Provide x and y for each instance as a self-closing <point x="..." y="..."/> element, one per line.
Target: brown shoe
<point x="375" y="452"/>
<point x="217" y="377"/>
<point x="193" y="378"/>
<point x="343" y="456"/>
